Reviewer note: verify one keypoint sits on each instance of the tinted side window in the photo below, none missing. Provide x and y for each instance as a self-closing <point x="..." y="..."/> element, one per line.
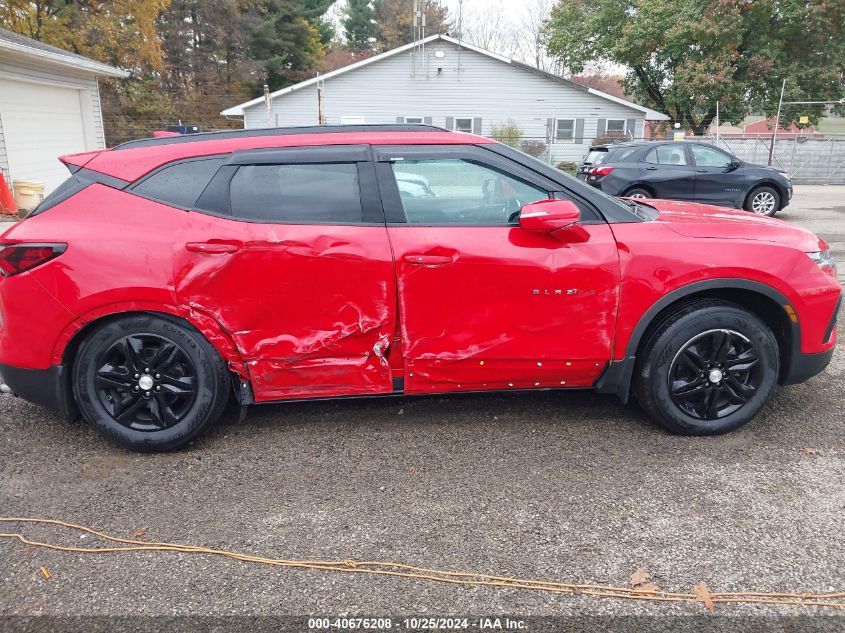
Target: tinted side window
<point x="622" y="154"/>
<point x="667" y="155"/>
<point x="313" y="194"/>
<point x="445" y="191"/>
<point x="708" y="157"/>
<point x="179" y="184"/>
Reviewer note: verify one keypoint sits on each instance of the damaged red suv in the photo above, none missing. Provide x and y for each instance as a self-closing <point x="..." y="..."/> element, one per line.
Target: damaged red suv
<point x="169" y="275"/>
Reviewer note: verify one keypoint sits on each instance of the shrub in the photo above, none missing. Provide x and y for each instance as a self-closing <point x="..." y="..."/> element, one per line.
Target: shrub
<point x="534" y="148"/>
<point x="610" y="137"/>
<point x="508" y="133"/>
<point x="567" y="166"/>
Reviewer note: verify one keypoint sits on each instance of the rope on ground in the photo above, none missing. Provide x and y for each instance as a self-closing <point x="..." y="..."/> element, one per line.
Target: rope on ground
<point x="385" y="568"/>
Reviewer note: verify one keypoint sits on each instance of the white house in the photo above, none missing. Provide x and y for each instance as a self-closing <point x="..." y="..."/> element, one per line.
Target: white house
<point x="451" y="84"/>
<point x="49" y="106"/>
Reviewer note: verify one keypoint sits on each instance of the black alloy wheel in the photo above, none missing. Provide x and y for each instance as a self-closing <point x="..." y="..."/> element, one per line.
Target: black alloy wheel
<point x="715" y="374"/>
<point x="706" y="366"/>
<point x="149" y="382"/>
<point x="146" y="382"/>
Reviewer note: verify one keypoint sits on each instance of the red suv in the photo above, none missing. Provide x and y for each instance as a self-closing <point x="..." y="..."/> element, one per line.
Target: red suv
<point x="169" y="275"/>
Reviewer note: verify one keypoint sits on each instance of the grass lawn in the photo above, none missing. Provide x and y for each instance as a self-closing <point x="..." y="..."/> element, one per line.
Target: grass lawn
<point x="832" y="125"/>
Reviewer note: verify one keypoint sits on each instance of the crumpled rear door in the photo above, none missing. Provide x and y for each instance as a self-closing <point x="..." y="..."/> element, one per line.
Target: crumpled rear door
<point x="310" y="307"/>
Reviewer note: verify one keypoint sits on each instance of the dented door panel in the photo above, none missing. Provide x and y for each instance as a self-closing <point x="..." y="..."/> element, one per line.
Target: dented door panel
<point x="502" y="308"/>
<point x="305" y="304"/>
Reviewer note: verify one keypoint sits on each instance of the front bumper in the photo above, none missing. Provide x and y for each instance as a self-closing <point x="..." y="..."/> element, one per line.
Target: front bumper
<point x="47" y="387"/>
<point x="805" y="366"/>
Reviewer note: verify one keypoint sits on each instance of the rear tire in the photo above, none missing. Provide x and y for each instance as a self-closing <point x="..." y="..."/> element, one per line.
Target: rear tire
<point x="637" y="192"/>
<point x="763" y="201"/>
<point x="149" y="383"/>
<point x="706" y="368"/>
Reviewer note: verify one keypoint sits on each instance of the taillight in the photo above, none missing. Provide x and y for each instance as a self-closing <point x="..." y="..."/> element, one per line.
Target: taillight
<point x="600" y="171"/>
<point x="18" y="258"/>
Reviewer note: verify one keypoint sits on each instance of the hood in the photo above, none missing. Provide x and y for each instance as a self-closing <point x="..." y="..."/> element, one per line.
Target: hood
<point x="706" y="221"/>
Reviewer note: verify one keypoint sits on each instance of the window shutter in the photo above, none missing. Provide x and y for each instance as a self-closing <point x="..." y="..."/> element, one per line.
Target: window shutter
<point x="579" y="131"/>
<point x="400" y="119"/>
<point x="550" y="131"/>
<point x="631" y="127"/>
<point x="476" y="125"/>
<point x="602" y="129"/>
<point x="427" y="120"/>
<point x="450" y="123"/>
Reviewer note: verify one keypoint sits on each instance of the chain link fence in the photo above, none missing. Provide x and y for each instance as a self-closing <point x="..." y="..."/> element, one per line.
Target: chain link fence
<point x="807" y="159"/>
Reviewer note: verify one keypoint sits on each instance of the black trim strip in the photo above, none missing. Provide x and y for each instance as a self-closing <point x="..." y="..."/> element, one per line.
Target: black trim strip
<point x="277" y="131"/>
<point x="829" y="331"/>
<point x="322" y="154"/>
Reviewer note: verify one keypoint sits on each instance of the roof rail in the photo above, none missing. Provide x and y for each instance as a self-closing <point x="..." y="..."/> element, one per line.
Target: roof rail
<point x="278" y="131"/>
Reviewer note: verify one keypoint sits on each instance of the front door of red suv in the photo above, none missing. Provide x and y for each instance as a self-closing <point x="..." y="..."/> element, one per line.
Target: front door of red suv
<point x="483" y="303"/>
<point x="289" y="253"/>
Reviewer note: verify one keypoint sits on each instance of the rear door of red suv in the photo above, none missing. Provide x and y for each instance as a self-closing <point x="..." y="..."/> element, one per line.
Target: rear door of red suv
<point x="483" y="303"/>
<point x="287" y="249"/>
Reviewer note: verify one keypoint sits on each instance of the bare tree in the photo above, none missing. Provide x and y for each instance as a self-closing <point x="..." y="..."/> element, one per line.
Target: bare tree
<point x="489" y="28"/>
<point x="532" y="33"/>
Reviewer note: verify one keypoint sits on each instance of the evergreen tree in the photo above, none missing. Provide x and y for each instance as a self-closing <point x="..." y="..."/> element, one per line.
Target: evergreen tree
<point x="359" y="24"/>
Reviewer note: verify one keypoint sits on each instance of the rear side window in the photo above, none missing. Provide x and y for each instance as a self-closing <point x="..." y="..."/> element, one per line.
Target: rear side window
<point x="622" y="153"/>
<point x="311" y="194"/>
<point x="179" y="184"/>
<point x="667" y="155"/>
<point x="596" y="156"/>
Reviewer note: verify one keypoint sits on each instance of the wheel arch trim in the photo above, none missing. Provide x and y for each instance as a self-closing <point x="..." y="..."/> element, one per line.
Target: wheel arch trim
<point x="206" y="325"/>
<point x="617" y="377"/>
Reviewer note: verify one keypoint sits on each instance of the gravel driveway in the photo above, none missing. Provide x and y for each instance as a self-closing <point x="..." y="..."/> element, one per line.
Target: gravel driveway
<point x="559" y="486"/>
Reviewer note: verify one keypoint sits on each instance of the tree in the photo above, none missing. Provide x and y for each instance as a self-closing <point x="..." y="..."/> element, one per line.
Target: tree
<point x="396" y="23"/>
<point x="359" y="24"/>
<point x="286" y="37"/>
<point x="490" y="28"/>
<point x="118" y="32"/>
<point x="684" y="55"/>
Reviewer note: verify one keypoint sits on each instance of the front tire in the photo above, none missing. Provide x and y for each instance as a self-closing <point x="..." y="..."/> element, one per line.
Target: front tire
<point x="707" y="368"/>
<point x="763" y="201"/>
<point x="149" y="383"/>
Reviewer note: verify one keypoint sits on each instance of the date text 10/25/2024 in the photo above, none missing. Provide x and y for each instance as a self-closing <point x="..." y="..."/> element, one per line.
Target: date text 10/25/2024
<point x="417" y="624"/>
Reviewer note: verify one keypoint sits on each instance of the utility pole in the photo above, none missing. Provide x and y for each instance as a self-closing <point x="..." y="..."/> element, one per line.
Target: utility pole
<point x="320" y="118"/>
<point x="717" y="123"/>
<point x="267" y="105"/>
<point x="777" y="122"/>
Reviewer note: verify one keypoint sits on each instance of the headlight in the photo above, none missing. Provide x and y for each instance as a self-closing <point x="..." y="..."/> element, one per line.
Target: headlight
<point x="825" y="261"/>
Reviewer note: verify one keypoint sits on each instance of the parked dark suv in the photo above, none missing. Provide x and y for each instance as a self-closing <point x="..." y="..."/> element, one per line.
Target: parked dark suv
<point x="685" y="171"/>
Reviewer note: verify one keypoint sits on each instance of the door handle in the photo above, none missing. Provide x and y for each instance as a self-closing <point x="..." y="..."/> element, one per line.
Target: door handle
<point x="651" y="168"/>
<point x="701" y="171"/>
<point x="428" y="260"/>
<point x="213" y="248"/>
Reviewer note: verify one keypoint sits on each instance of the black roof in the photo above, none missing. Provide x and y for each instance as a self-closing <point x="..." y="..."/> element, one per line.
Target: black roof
<point x="279" y="131"/>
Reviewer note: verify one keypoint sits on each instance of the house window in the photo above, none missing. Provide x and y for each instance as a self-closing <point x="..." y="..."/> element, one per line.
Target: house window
<point x="463" y="124"/>
<point x="616" y="126"/>
<point x="565" y="130"/>
<point x="412" y="119"/>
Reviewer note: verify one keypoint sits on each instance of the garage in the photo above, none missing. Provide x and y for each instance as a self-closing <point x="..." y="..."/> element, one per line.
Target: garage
<point x="49" y="106"/>
<point x="40" y="123"/>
